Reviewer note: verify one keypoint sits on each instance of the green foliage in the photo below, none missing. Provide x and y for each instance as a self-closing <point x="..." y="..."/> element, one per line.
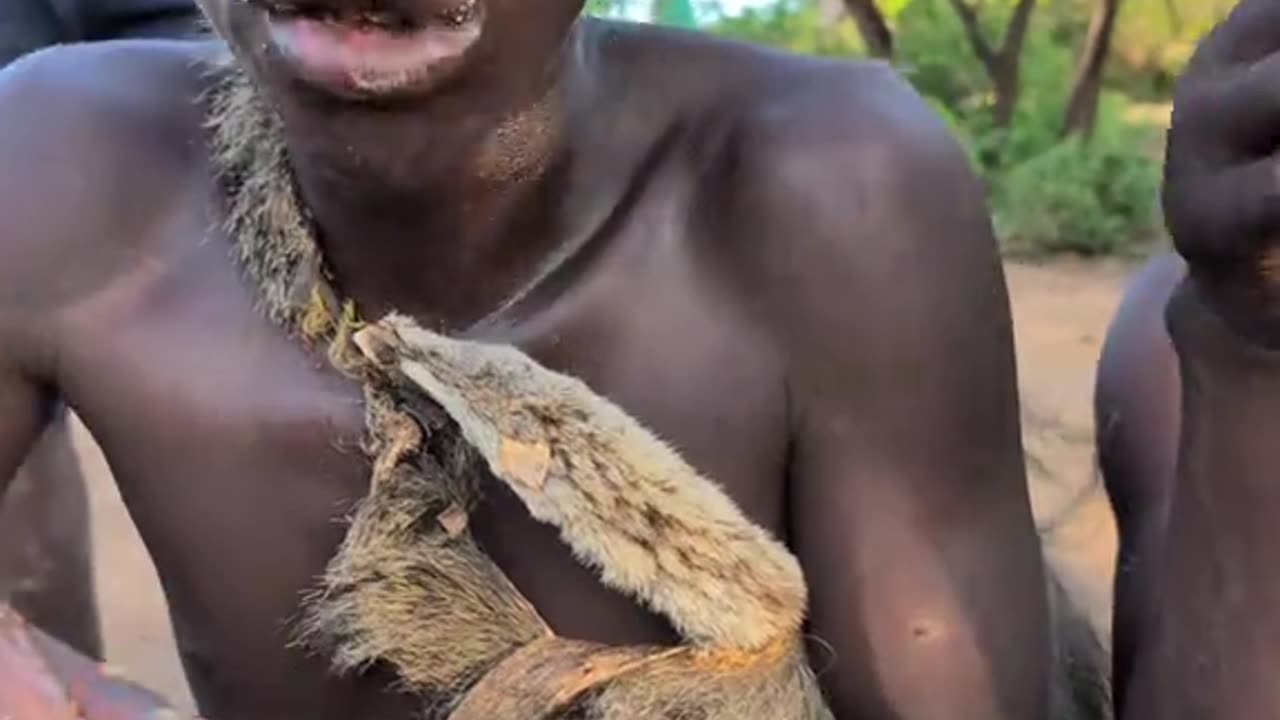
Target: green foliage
<point x="603" y="7"/>
<point x="1048" y="195"/>
<point x="794" y="25"/>
<point x="674" y="12"/>
<point x="1155" y="38"/>
<point x="1099" y="198"/>
<point x="934" y="54"/>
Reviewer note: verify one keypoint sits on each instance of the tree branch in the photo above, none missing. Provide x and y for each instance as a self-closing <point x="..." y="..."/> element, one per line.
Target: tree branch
<point x="872" y="26"/>
<point x="1082" y="107"/>
<point x="1016" y="34"/>
<point x="973" y="30"/>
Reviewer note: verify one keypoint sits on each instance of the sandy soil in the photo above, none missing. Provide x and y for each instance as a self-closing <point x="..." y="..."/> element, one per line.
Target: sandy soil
<point x="1060" y="314"/>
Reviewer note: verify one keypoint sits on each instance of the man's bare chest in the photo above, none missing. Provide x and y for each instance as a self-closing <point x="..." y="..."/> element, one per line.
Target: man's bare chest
<point x="237" y="449"/>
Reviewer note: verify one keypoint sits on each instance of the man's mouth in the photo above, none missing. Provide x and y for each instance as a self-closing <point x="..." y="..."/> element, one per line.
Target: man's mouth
<point x="377" y="50"/>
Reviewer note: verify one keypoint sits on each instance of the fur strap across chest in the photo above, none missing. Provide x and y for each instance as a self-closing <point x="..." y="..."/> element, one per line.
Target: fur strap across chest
<point x="410" y="586"/>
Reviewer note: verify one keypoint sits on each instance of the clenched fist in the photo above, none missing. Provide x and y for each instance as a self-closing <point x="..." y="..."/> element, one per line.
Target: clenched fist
<point x="1222" y="172"/>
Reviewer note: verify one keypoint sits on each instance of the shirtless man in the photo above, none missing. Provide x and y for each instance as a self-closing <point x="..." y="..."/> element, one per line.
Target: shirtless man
<point x="44" y="533"/>
<point x="781" y="264"/>
<point x="1186" y="403"/>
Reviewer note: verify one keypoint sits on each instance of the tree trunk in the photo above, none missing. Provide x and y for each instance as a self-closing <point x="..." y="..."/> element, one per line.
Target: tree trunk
<point x="872" y="26"/>
<point x="1005" y="82"/>
<point x="1082" y="108"/>
<point x="1003" y="66"/>
<point x="1008" y="75"/>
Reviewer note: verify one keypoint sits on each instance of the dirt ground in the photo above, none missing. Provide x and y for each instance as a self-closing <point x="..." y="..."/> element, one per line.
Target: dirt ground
<point x="1060" y="315"/>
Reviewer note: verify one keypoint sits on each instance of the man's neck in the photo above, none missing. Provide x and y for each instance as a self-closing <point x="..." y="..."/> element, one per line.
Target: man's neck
<point x="418" y="207"/>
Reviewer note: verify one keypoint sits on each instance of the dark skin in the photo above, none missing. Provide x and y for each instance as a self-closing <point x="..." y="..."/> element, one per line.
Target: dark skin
<point x="45" y="558"/>
<point x="46" y="567"/>
<point x="1138" y="417"/>
<point x="743" y="259"/>
<point x="1188" y="394"/>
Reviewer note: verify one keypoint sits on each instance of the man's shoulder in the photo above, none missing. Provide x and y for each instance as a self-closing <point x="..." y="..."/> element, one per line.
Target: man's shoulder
<point x="700" y="73"/>
<point x="833" y="188"/>
<point x="96" y="141"/>
<point x="791" y="126"/>
<point x="850" y="156"/>
<point x="845" y="128"/>
<point x="107" y="92"/>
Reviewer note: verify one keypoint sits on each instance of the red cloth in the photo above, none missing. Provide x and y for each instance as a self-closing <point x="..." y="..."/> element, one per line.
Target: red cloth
<point x="42" y="679"/>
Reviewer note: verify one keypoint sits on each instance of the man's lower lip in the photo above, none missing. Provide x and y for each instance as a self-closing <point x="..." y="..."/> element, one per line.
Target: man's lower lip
<point x="367" y="61"/>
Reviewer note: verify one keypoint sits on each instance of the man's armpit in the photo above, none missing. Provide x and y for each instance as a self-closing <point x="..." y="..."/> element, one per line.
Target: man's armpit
<point x="25" y="408"/>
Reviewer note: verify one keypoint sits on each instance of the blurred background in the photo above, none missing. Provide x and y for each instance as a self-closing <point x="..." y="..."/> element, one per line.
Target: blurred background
<point x="1061" y="103"/>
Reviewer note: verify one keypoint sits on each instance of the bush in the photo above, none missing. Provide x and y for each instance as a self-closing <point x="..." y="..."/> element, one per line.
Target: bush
<point x="1047" y="195"/>
<point x="795" y="25"/>
<point x="1099" y="198"/>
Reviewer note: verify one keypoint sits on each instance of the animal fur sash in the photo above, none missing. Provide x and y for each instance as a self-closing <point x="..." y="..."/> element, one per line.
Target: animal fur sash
<point x="410" y="587"/>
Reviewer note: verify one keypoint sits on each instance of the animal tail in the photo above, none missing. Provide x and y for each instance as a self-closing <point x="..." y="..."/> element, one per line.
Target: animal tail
<point x="627" y="503"/>
<point x="632" y="509"/>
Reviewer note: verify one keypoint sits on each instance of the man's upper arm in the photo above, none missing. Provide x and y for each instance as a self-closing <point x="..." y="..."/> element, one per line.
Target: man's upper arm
<point x="23" y="404"/>
<point x="46" y="168"/>
<point x="24" y="411"/>
<point x="909" y="504"/>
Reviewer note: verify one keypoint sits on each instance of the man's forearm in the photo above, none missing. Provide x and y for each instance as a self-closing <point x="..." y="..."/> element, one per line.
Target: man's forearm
<point x="1215" y="636"/>
<point x="46" y="569"/>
